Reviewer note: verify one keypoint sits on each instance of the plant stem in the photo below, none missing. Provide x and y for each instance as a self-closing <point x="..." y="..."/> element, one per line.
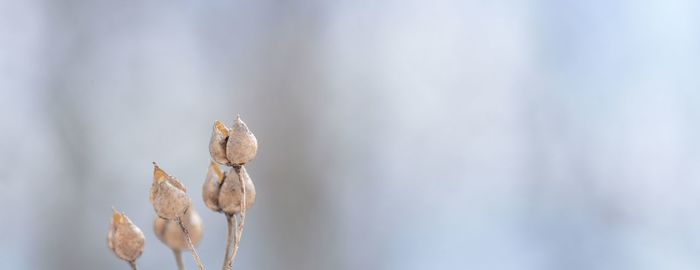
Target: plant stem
<point x="133" y="265"/>
<point x="230" y="220"/>
<point x="241" y="226"/>
<point x="178" y="259"/>
<point x="189" y="243"/>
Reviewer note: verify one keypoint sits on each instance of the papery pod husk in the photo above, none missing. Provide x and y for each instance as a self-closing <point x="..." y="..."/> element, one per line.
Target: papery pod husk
<point x="212" y="186"/>
<point x="168" y="195"/>
<point x="231" y="192"/>
<point x="242" y="146"/>
<point x="170" y="233"/>
<point x="124" y="238"/>
<point x="217" y="143"/>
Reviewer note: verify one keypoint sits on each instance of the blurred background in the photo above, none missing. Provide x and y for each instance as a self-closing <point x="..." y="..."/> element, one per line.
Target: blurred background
<point x="393" y="134"/>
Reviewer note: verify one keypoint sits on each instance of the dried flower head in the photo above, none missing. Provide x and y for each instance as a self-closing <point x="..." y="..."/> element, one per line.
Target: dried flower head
<point x="124" y="238"/>
<point x="242" y="146"/>
<point x="217" y="143"/>
<point x="231" y="192"/>
<point x="170" y="233"/>
<point x="168" y="195"/>
<point x="212" y="186"/>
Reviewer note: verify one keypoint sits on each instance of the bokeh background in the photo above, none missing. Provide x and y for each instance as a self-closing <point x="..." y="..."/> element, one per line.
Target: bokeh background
<point x="393" y="134"/>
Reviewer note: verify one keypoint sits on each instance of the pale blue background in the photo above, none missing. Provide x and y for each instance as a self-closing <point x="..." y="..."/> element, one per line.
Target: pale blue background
<point x="494" y="135"/>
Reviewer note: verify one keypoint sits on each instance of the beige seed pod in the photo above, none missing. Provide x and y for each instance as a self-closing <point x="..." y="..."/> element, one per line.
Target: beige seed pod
<point x="217" y="143"/>
<point x="168" y="195"/>
<point x="231" y="192"/>
<point x="212" y="186"/>
<point x="124" y="238"/>
<point x="170" y="233"/>
<point x="242" y="144"/>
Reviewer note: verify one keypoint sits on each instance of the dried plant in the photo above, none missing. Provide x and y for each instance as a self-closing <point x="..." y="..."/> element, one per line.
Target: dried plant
<point x="173" y="236"/>
<point x="177" y="224"/>
<point x="232" y="193"/>
<point x="125" y="239"/>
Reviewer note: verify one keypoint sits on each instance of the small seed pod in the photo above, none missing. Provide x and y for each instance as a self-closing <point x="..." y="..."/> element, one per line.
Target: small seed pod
<point x="212" y="187"/>
<point x="170" y="233"/>
<point x="168" y="195"/>
<point x="231" y="191"/>
<point x="242" y="144"/>
<point x="124" y="238"/>
<point x="217" y="143"/>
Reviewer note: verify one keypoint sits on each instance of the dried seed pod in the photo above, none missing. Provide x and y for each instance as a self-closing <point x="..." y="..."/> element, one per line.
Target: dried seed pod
<point x="212" y="187"/>
<point x="231" y="191"/>
<point x="217" y="143"/>
<point x="168" y="195"/>
<point x="170" y="233"/>
<point x="242" y="144"/>
<point x="124" y="238"/>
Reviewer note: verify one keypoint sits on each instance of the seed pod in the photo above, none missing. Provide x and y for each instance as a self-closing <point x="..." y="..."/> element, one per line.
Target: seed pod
<point x="217" y="143"/>
<point x="124" y="238"/>
<point x="231" y="192"/>
<point x="168" y="195"/>
<point x="170" y="233"/>
<point x="212" y="187"/>
<point x="242" y="145"/>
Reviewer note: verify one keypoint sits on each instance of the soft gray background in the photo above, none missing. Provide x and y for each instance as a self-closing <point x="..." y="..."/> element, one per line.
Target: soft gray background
<point x="523" y="135"/>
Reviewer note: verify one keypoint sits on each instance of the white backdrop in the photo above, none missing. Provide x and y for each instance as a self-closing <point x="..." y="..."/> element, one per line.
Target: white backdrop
<point x="393" y="135"/>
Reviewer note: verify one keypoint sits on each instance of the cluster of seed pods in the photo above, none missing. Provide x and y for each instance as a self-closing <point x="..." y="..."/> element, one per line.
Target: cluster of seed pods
<point x="231" y="192"/>
<point x="177" y="224"/>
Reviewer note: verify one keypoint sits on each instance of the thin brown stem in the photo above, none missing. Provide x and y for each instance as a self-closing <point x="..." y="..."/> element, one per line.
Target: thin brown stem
<point x="241" y="226"/>
<point x="178" y="259"/>
<point x="235" y="233"/>
<point x="230" y="239"/>
<point x="189" y="243"/>
<point x="133" y="265"/>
